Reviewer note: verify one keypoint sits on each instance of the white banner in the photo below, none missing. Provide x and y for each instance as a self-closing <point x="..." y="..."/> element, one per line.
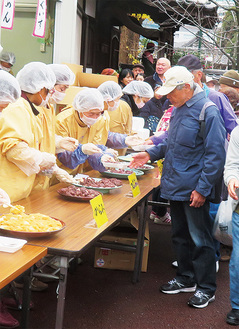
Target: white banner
<point x="7" y="17"/>
<point x="40" y="20"/>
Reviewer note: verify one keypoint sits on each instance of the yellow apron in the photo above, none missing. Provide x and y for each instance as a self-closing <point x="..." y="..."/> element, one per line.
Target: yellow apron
<point x="17" y="124"/>
<point x="121" y="121"/>
<point x="46" y="120"/>
<point x="68" y="124"/>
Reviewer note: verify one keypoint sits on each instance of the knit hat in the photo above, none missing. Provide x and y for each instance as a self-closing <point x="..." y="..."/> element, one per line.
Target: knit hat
<point x="138" y="65"/>
<point x="191" y="62"/>
<point x="230" y="78"/>
<point x="109" y="71"/>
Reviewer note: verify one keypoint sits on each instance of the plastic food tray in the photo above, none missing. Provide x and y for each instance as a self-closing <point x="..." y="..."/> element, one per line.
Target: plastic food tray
<point x="145" y="168"/>
<point x="141" y="148"/>
<point x="122" y="175"/>
<point x="103" y="190"/>
<point x="11" y="244"/>
<point x="76" y="198"/>
<point x="118" y="165"/>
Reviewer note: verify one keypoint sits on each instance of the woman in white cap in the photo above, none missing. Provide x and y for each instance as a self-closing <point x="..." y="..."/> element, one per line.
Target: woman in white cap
<point x="64" y="78"/>
<point x="87" y="122"/>
<point x="136" y="94"/>
<point x="119" y="111"/>
<point x="9" y="93"/>
<point x="21" y="134"/>
<point x="7" y="60"/>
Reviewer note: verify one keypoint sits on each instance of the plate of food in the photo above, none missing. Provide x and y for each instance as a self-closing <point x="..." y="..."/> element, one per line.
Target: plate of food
<point x="103" y="185"/>
<point x="121" y="173"/>
<point x="18" y="223"/>
<point x="145" y="168"/>
<point x="128" y="157"/>
<point x="75" y="193"/>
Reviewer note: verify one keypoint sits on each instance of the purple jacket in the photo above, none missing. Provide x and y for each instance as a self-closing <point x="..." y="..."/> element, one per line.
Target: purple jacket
<point x="224" y="106"/>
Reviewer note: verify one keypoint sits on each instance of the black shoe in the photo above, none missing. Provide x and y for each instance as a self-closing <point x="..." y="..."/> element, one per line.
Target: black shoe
<point x="200" y="299"/>
<point x="233" y="317"/>
<point x="174" y="287"/>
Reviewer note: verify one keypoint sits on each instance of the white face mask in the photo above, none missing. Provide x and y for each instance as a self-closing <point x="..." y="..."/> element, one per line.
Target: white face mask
<point x="114" y="107"/>
<point x="89" y="121"/>
<point x="7" y="69"/>
<point x="44" y="101"/>
<point x="140" y="104"/>
<point x="57" y="97"/>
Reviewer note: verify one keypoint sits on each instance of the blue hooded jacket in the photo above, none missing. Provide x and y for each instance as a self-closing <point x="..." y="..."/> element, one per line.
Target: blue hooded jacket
<point x="192" y="162"/>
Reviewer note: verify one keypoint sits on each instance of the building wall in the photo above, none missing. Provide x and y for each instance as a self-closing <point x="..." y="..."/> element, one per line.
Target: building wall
<point x="20" y="41"/>
<point x="67" y="35"/>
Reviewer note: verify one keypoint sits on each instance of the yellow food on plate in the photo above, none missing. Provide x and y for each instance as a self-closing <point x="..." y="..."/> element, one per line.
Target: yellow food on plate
<point x="17" y="209"/>
<point x="29" y="223"/>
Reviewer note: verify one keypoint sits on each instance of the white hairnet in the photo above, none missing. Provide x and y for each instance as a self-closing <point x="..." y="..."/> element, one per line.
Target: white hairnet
<point x="10" y="90"/>
<point x="35" y="76"/>
<point x="110" y="90"/>
<point x="64" y="75"/>
<point x="88" y="99"/>
<point x="7" y="57"/>
<point x="139" y="88"/>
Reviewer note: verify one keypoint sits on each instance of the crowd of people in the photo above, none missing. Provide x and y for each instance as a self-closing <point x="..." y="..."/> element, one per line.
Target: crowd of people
<point x="193" y="125"/>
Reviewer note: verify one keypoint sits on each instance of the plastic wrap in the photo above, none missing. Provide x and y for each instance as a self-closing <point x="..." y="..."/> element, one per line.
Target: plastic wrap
<point x="4" y="198"/>
<point x="65" y="144"/>
<point x="25" y="158"/>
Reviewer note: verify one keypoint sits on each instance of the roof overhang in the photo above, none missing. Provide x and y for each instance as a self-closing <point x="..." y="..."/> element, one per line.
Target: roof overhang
<point x="167" y="13"/>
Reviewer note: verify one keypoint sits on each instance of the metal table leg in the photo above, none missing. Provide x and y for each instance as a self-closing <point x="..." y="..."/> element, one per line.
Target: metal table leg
<point x="142" y="210"/>
<point x="61" y="293"/>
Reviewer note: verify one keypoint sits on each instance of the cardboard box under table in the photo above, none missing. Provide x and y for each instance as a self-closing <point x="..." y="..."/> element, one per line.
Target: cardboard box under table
<point x="116" y="249"/>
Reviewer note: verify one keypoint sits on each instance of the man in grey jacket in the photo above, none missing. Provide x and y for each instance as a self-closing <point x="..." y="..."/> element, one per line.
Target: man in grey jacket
<point x="194" y="161"/>
<point x="231" y="177"/>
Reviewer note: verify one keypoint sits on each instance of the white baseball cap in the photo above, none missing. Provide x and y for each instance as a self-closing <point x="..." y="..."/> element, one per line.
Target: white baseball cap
<point x="174" y="77"/>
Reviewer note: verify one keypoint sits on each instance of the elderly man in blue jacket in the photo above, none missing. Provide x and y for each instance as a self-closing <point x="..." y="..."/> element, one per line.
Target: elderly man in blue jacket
<point x="194" y="161"/>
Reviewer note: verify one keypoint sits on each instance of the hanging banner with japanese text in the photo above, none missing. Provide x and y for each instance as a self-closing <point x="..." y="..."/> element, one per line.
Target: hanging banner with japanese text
<point x="7" y="17"/>
<point x="40" y="20"/>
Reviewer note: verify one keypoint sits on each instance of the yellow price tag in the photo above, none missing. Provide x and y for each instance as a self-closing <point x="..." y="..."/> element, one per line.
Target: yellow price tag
<point x="98" y="208"/>
<point x="160" y="166"/>
<point x="134" y="184"/>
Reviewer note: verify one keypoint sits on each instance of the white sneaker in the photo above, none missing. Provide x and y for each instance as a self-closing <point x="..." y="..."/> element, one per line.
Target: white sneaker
<point x="165" y="220"/>
<point x="152" y="215"/>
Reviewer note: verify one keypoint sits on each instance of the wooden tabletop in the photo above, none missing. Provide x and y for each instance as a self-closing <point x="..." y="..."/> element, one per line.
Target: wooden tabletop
<point x="14" y="264"/>
<point x="76" y="237"/>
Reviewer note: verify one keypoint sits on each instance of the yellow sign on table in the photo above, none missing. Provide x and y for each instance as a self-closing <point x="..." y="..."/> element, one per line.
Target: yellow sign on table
<point x="99" y="212"/>
<point x="134" y="184"/>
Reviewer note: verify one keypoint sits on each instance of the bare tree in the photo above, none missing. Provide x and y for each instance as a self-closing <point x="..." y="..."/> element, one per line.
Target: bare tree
<point x="225" y="39"/>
